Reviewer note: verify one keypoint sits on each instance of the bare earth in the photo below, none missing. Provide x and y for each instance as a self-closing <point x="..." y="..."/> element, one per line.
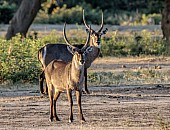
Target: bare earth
<point x="137" y="107"/>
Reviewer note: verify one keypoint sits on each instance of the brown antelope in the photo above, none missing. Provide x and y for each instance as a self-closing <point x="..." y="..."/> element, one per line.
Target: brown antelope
<point x="59" y="51"/>
<point x="62" y="76"/>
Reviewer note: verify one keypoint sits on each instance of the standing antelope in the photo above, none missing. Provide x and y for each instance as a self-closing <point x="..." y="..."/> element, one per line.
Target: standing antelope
<point x="62" y="76"/>
<point x="59" y="51"/>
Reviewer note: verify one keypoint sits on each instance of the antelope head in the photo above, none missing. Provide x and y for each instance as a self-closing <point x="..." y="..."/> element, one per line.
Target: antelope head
<point x="95" y="35"/>
<point x="78" y="54"/>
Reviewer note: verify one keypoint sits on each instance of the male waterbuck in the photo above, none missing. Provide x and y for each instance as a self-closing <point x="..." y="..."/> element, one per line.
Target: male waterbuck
<point x="62" y="76"/>
<point x="59" y="51"/>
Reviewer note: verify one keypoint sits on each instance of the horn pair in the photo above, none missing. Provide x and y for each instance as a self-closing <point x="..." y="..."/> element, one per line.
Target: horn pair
<point x="102" y="24"/>
<point x="68" y="43"/>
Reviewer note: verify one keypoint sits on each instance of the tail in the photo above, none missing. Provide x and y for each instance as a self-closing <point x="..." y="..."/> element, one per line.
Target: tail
<point x="41" y="57"/>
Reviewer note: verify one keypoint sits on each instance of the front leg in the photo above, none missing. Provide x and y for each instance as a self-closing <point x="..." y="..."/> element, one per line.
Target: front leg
<point x="85" y="81"/>
<point x="51" y="106"/>
<point x="70" y="100"/>
<point x="78" y="95"/>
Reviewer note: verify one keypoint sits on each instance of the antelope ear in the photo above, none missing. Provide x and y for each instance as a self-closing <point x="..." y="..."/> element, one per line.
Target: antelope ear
<point x="105" y="31"/>
<point x="71" y="50"/>
<point x="87" y="31"/>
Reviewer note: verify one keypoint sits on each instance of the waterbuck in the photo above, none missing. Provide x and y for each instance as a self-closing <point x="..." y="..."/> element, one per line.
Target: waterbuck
<point x="62" y="76"/>
<point x="59" y="51"/>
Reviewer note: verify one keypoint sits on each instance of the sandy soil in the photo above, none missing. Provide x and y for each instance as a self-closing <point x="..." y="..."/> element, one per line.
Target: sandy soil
<point x="107" y="107"/>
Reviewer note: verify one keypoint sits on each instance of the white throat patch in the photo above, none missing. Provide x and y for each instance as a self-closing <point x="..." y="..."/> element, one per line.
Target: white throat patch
<point x="99" y="46"/>
<point x="78" y="66"/>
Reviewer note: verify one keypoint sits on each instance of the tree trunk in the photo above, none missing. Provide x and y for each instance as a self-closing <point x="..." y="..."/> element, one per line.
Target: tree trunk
<point x="23" y="18"/>
<point x="165" y="23"/>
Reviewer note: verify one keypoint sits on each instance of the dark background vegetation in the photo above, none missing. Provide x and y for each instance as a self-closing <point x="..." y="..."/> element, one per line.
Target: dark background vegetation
<point x="115" y="11"/>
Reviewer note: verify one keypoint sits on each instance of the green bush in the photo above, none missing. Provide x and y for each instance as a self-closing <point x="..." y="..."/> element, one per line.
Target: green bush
<point x="70" y="15"/>
<point x="115" y="12"/>
<point x="135" y="44"/>
<point x="6" y="12"/>
<point x="60" y="15"/>
<point x="143" y="76"/>
<point x="73" y="14"/>
<point x="18" y="61"/>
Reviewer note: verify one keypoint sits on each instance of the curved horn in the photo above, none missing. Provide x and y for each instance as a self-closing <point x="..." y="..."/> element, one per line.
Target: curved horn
<point x="102" y="24"/>
<point x="85" y="21"/>
<point x="65" y="38"/>
<point x="87" y="41"/>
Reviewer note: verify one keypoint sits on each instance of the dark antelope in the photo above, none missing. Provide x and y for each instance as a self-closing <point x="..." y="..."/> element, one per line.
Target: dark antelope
<point x="62" y="76"/>
<point x="59" y="51"/>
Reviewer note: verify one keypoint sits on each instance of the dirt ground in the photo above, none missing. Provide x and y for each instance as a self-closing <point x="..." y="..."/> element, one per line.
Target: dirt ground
<point x="123" y="107"/>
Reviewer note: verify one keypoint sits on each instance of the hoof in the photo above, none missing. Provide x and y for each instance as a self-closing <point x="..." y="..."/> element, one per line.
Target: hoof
<point x="51" y="120"/>
<point x="57" y="119"/>
<point x="43" y="95"/>
<point x="70" y="121"/>
<point x="83" y="120"/>
<point x="87" y="91"/>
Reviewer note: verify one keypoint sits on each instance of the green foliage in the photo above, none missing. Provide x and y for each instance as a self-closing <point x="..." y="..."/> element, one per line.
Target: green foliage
<point x="141" y="19"/>
<point x="6" y="11"/>
<point x="126" y="12"/>
<point x="135" y="44"/>
<point x="140" y="76"/>
<point x="143" y="6"/>
<point x="71" y="15"/>
<point x="18" y="61"/>
<point x="74" y="15"/>
<point x="60" y="15"/>
<point x="115" y="12"/>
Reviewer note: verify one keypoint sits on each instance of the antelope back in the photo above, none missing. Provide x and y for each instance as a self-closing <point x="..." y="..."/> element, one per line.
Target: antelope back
<point x="54" y="51"/>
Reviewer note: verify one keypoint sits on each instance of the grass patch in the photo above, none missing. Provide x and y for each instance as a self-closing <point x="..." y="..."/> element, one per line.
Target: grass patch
<point x="138" y="77"/>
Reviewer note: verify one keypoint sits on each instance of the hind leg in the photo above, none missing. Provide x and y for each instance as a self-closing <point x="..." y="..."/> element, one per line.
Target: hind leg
<point x="41" y="80"/>
<point x="56" y="96"/>
<point x="51" y="97"/>
<point x="51" y="106"/>
<point x="45" y="88"/>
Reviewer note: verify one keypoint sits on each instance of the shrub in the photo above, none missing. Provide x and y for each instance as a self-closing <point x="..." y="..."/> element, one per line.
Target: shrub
<point x="18" y="61"/>
<point x="6" y="12"/>
<point x="119" y="13"/>
<point x="74" y="15"/>
<point x="60" y="15"/>
<point x="136" y="44"/>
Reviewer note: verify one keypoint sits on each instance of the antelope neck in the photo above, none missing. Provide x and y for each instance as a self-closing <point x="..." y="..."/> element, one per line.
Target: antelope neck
<point x="92" y="43"/>
<point x="76" y="73"/>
